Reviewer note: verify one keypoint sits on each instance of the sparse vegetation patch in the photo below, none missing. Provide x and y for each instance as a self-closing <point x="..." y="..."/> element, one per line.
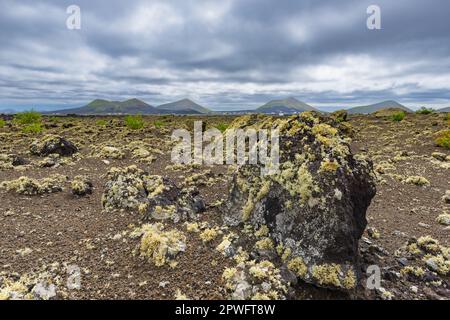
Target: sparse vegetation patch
<point x="134" y="122"/>
<point x="399" y="116"/>
<point x="443" y="139"/>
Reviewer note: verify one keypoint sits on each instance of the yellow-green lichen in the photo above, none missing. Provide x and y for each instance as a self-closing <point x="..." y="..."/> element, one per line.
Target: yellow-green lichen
<point x="327" y="274"/>
<point x="209" y="234"/>
<point x="30" y="186"/>
<point x="192" y="227"/>
<point x="349" y="281"/>
<point x="262" y="232"/>
<point x="328" y="165"/>
<point x="160" y="246"/>
<point x="411" y="270"/>
<point x="264" y="244"/>
<point x="297" y="266"/>
<point x="417" y="180"/>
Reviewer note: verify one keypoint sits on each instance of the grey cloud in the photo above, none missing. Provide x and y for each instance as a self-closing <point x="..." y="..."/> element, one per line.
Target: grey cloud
<point x="225" y="55"/>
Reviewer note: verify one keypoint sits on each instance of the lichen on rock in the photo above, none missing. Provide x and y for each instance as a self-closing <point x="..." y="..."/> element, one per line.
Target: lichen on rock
<point x="428" y="252"/>
<point x="29" y="186"/>
<point x="110" y="152"/>
<point x="11" y="161"/>
<point x="417" y="180"/>
<point x="254" y="280"/>
<point x="30" y="286"/>
<point x="155" y="197"/>
<point x="209" y="234"/>
<point x="52" y="144"/>
<point x="315" y="205"/>
<point x="160" y="246"/>
<point x="81" y="186"/>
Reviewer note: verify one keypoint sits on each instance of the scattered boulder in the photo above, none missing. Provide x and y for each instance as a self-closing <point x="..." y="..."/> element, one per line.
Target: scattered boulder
<point x="315" y="205"/>
<point x="50" y="144"/>
<point x="32" y="286"/>
<point x="81" y="186"/>
<point x="255" y="280"/>
<point x="446" y="197"/>
<point x="417" y="180"/>
<point x="430" y="252"/>
<point x="17" y="160"/>
<point x="51" y="161"/>
<point x="155" y="197"/>
<point x="111" y="153"/>
<point x="31" y="187"/>
<point x="443" y="219"/>
<point x="9" y="161"/>
<point x="160" y="246"/>
<point x="439" y="156"/>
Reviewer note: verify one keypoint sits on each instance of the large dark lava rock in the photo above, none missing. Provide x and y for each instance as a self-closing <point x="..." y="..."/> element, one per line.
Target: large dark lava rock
<point x="315" y="206"/>
<point x="51" y="144"/>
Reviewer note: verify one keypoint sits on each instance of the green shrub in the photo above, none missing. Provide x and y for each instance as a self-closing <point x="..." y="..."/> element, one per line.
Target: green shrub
<point x="424" y="110"/>
<point x="32" y="128"/>
<point x="159" y="123"/>
<point x="101" y="123"/>
<point x="54" y="119"/>
<point x="2" y="123"/>
<point x="28" y="117"/>
<point x="134" y="122"/>
<point x="222" y="127"/>
<point x="399" y="116"/>
<point x="443" y="139"/>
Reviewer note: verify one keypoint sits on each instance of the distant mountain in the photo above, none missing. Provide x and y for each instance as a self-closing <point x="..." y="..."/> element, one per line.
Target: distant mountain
<point x="444" y="110"/>
<point x="8" y="111"/>
<point x="185" y="106"/>
<point x="100" y="106"/>
<point x="378" y="106"/>
<point x="287" y="106"/>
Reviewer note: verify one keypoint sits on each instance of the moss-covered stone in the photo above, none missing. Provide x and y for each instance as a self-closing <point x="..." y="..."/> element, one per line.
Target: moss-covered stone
<point x="155" y="197"/>
<point x="160" y="246"/>
<point x="29" y="186"/>
<point x="314" y="207"/>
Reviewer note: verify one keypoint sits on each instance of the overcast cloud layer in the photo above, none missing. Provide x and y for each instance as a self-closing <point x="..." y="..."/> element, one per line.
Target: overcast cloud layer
<point x="224" y="54"/>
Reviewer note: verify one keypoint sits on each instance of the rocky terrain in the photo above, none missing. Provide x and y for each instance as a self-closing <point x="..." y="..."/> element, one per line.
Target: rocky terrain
<point x="93" y="208"/>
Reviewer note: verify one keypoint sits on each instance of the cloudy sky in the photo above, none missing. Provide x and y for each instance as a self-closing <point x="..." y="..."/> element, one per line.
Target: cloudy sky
<point x="224" y="54"/>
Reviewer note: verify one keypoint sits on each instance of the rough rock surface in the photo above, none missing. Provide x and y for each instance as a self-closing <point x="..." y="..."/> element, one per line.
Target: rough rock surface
<point x="315" y="206"/>
<point x="256" y="281"/>
<point x="153" y="196"/>
<point x="81" y="186"/>
<point x="51" y="144"/>
<point x="9" y="161"/>
<point x="40" y="285"/>
<point x="29" y="186"/>
<point x="160" y="246"/>
<point x="340" y="115"/>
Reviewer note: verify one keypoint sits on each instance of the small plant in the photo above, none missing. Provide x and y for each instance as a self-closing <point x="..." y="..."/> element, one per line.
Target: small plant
<point x="101" y="123"/>
<point x="424" y="110"/>
<point x="28" y="117"/>
<point x="2" y="123"/>
<point x="222" y="127"/>
<point x="134" y="122"/>
<point x="32" y="128"/>
<point x="443" y="139"/>
<point x="159" y="123"/>
<point x="399" y="116"/>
